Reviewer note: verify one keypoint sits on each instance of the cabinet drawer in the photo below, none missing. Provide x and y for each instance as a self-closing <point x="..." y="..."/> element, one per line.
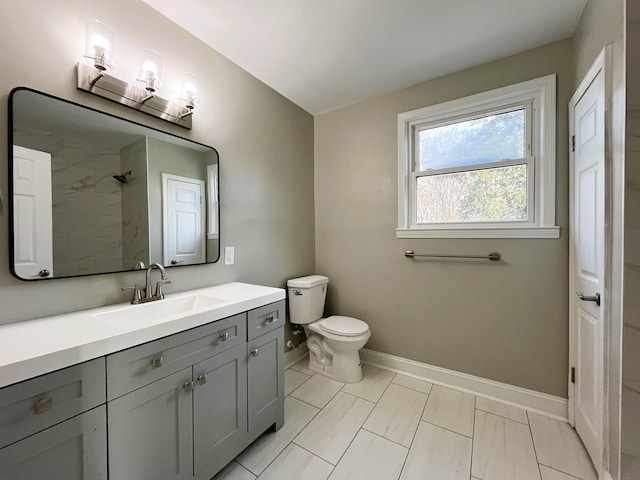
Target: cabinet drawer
<point x="264" y="319"/>
<point x="75" y="449"/>
<point x="141" y="365"/>
<point x="33" y="405"/>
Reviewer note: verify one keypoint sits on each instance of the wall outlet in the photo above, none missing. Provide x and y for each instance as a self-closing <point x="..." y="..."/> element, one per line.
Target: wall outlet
<point x="229" y="255"/>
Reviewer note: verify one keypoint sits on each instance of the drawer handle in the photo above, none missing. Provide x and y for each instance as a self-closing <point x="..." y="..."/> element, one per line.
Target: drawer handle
<point x="224" y="336"/>
<point x="202" y="379"/>
<point x="269" y="319"/>
<point x="254" y="352"/>
<point x="188" y="386"/>
<point x="157" y="362"/>
<point x="42" y="405"/>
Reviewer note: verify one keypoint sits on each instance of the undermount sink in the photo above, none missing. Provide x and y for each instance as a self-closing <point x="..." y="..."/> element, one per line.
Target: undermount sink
<point x="156" y="312"/>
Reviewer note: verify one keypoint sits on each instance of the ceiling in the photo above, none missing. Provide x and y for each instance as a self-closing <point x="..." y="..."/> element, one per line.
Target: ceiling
<point x="326" y="54"/>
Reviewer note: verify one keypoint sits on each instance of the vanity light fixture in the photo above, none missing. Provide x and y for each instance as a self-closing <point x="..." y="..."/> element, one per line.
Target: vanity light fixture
<point x="92" y="78"/>
<point x="190" y="92"/>
<point x="150" y="72"/>
<point x="99" y="47"/>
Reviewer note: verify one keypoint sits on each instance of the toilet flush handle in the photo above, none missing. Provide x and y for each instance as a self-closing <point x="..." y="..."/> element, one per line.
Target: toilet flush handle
<point x="297" y="292"/>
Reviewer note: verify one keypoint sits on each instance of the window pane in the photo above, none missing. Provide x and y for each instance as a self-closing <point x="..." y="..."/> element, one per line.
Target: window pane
<point x="490" y="195"/>
<point x="487" y="139"/>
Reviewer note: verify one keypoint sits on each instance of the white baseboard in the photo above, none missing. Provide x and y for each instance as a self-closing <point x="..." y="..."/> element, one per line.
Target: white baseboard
<point x="543" y="403"/>
<point x="292" y="356"/>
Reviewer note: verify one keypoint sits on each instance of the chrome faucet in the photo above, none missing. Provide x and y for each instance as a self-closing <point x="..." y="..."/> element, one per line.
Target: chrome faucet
<point x="148" y="297"/>
<point x="158" y="295"/>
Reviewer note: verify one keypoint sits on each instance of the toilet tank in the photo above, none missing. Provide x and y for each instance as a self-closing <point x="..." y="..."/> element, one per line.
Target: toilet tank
<point x="306" y="298"/>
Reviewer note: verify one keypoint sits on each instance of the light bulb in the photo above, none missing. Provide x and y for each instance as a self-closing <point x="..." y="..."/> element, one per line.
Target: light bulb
<point x="98" y="41"/>
<point x="99" y="45"/>
<point x="190" y="87"/>
<point x="150" y="70"/>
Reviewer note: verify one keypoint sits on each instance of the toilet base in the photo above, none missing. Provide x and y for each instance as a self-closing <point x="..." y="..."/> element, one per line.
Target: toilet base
<point x="347" y="368"/>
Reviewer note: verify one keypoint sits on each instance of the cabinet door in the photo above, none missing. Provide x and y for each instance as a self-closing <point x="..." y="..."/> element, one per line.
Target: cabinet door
<point x="220" y="410"/>
<point x="266" y="381"/>
<point x="72" y="450"/>
<point x="150" y="431"/>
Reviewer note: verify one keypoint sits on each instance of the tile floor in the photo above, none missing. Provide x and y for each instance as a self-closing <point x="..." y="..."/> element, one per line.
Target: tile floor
<point x="391" y="426"/>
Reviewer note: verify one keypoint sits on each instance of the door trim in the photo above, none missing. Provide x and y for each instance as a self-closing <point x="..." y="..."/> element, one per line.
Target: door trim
<point x="601" y="64"/>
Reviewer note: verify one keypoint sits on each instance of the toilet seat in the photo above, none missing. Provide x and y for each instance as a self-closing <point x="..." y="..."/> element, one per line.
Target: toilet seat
<point x="344" y="326"/>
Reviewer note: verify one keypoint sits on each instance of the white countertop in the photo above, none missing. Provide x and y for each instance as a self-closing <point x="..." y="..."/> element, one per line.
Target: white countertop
<point x="36" y="347"/>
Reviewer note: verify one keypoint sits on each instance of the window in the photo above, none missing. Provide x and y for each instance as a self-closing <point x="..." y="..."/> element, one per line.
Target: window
<point x="481" y="166"/>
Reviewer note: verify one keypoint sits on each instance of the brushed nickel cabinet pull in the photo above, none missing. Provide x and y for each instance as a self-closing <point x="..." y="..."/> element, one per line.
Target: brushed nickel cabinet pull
<point x="202" y="379"/>
<point x="188" y="386"/>
<point x="269" y="319"/>
<point x="254" y="352"/>
<point x="42" y="405"/>
<point x="157" y="362"/>
<point x="224" y="336"/>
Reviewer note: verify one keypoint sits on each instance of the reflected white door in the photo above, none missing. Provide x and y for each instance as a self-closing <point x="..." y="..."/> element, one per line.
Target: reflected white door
<point x="184" y="220"/>
<point x="587" y="253"/>
<point x="33" y="224"/>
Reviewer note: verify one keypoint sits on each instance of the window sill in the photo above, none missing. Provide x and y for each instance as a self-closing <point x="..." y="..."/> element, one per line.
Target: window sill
<point x="484" y="232"/>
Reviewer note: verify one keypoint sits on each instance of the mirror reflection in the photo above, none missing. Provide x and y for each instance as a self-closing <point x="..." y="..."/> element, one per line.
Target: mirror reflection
<point x="92" y="193"/>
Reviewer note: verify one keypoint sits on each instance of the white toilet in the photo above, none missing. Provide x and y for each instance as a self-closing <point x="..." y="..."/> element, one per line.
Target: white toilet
<point x="334" y="342"/>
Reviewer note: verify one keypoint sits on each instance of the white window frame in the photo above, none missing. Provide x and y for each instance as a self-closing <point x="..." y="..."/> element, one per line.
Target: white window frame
<point x="539" y="98"/>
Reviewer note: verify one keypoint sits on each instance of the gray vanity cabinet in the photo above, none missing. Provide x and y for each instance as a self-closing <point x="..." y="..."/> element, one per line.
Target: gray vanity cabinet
<point x="265" y="374"/>
<point x="220" y="410"/>
<point x="72" y="450"/>
<point x="150" y="431"/>
<point x="265" y="380"/>
<point x="54" y="426"/>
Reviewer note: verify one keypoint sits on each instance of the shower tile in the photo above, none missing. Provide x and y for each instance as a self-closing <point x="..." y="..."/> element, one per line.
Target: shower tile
<point x="397" y="414"/>
<point x="450" y="409"/>
<point x="374" y="382"/>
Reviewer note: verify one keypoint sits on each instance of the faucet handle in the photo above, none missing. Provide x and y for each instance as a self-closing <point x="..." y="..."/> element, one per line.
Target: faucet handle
<point x="159" y="292"/>
<point x="137" y="295"/>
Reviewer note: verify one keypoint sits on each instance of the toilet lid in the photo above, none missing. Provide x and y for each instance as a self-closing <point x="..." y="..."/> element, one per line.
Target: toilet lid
<point x="347" y="326"/>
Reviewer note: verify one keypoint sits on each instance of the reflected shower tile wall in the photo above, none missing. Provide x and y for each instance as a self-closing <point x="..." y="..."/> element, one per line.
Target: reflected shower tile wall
<point x="135" y="220"/>
<point x="87" y="203"/>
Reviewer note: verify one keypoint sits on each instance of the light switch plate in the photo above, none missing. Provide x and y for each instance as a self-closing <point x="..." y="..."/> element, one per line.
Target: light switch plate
<point x="229" y="255"/>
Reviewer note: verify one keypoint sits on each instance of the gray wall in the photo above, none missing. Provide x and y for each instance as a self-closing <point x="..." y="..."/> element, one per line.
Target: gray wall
<point x="265" y="144"/>
<point x="630" y="448"/>
<point x="507" y="321"/>
<point x="601" y="24"/>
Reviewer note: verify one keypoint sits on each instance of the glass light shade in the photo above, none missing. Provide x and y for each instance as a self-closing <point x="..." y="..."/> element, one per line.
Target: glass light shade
<point x="190" y="90"/>
<point x="99" y="45"/>
<point x="150" y="69"/>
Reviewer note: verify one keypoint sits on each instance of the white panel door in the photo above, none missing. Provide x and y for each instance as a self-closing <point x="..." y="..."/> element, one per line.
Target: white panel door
<point x="33" y="224"/>
<point x="184" y="220"/>
<point x="587" y="249"/>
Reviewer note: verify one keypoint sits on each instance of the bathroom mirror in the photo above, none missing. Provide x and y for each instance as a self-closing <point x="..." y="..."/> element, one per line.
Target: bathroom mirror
<point x="92" y="193"/>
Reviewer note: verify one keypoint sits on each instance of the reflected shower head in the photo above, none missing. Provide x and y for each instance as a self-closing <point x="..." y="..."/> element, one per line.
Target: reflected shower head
<point x="122" y="178"/>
